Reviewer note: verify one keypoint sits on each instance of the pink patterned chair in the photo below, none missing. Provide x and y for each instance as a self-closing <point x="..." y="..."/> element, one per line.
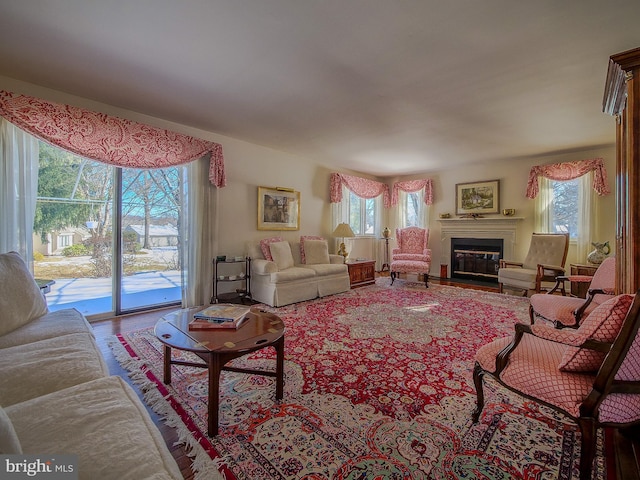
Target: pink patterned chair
<point x="591" y="374"/>
<point x="412" y="255"/>
<point x="568" y="311"/>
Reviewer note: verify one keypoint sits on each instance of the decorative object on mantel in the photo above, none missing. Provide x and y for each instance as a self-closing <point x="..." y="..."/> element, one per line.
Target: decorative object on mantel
<point x="478" y="197"/>
<point x="472" y="215"/>
<point x="508" y="212"/>
<point x="599" y="254"/>
<point x="343" y="230"/>
<point x="445" y="215"/>
<point x="386" y="232"/>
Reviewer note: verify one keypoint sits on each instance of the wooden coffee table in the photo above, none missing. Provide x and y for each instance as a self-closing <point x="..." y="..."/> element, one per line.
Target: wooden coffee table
<point x="219" y="346"/>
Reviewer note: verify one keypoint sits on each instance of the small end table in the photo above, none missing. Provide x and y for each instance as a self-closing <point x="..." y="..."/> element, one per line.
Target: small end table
<point x="361" y="272"/>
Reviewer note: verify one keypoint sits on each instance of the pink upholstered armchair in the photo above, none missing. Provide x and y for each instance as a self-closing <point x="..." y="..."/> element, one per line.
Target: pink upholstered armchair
<point x="569" y="311"/>
<point x="591" y="374"/>
<point x="412" y="255"/>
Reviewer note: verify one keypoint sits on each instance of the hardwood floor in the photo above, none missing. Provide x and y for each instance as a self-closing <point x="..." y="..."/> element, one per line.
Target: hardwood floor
<point x="626" y="458"/>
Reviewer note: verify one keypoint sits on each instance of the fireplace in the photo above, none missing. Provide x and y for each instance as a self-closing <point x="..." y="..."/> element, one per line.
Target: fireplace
<point x="476" y="258"/>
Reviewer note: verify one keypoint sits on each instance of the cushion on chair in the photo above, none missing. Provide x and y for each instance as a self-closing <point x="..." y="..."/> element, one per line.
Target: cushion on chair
<point x="281" y="253"/>
<point x="558" y="307"/>
<point x="21" y="300"/>
<point x="622" y="407"/>
<point x="303" y="239"/>
<point x="264" y="246"/>
<point x="533" y="370"/>
<point x="317" y="252"/>
<point x="603" y="324"/>
<point x="409" y="266"/>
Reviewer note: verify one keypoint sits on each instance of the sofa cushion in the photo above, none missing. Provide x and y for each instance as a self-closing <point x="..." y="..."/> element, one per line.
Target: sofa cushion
<point x="21" y="300"/>
<point x="265" y="246"/>
<point x="53" y="324"/>
<point x="324" y="269"/>
<point x="281" y="253"/>
<point x="292" y="274"/>
<point x="603" y="324"/>
<point x="104" y="423"/>
<point x="28" y="371"/>
<point x="303" y="240"/>
<point x="316" y="252"/>
<point x="9" y="443"/>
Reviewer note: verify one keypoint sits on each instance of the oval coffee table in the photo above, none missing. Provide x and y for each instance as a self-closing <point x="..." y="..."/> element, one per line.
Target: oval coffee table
<point x="217" y="347"/>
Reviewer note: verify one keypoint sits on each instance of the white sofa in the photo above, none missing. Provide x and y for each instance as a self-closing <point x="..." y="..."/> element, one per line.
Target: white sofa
<point x="290" y="276"/>
<point x="56" y="395"/>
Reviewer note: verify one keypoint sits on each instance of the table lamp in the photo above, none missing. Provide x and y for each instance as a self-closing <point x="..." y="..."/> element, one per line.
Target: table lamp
<point x="343" y="230"/>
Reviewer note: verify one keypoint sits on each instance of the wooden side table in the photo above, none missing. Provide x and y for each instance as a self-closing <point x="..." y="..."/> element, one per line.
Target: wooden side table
<point x="361" y="272"/>
<point x="579" y="289"/>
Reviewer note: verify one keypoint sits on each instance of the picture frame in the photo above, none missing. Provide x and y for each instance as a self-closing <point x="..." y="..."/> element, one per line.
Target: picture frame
<point x="278" y="208"/>
<point x="477" y="198"/>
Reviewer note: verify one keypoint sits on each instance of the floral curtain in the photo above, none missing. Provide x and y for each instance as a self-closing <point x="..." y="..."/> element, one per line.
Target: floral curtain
<point x="108" y="139"/>
<point x="569" y="171"/>
<point x="411" y="186"/>
<point x="363" y="187"/>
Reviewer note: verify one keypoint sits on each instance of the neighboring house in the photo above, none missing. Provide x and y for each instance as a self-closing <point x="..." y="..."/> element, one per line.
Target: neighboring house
<point x="159" y="235"/>
<point x="57" y="241"/>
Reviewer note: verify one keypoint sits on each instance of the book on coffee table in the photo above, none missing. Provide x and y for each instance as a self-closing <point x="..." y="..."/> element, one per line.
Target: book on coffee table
<point x="222" y="315"/>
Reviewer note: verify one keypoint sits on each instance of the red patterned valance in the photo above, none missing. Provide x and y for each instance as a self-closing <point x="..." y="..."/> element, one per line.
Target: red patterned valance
<point x="569" y="171"/>
<point x="108" y="139"/>
<point x="363" y="187"/>
<point x="411" y="186"/>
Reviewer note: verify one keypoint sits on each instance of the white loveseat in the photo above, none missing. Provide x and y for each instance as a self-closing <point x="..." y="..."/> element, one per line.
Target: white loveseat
<point x="295" y="271"/>
<point x="56" y="394"/>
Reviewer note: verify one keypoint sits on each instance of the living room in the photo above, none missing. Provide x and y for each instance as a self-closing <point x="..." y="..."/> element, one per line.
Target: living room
<point x="271" y="162"/>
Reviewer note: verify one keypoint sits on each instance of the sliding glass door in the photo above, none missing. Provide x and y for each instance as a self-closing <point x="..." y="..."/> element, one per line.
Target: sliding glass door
<point x="108" y="237"/>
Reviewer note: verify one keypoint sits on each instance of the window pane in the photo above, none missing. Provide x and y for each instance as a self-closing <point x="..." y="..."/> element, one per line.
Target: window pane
<point x="412" y="209"/>
<point x="564" y="210"/>
<point x="355" y="218"/>
<point x="370" y="216"/>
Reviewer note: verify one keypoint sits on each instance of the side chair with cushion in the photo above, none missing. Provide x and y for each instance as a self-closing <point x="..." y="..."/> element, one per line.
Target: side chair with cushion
<point x="591" y="374"/>
<point x="543" y="263"/>
<point x="412" y="255"/>
<point x="565" y="311"/>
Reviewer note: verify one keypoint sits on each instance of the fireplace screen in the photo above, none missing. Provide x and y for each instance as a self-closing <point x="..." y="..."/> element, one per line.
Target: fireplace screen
<point x="476" y="258"/>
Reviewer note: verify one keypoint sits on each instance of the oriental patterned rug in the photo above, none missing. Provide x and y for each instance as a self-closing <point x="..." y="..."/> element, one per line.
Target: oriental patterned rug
<point x="378" y="385"/>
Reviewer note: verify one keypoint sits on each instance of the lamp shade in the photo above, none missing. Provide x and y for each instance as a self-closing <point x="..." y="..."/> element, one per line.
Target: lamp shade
<point x="343" y="230"/>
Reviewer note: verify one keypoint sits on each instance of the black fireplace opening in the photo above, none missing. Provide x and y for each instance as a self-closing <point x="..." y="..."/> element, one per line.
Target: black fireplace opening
<point x="476" y="258"/>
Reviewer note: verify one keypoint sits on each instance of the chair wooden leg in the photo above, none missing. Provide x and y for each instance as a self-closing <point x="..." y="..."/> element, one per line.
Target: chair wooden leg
<point x="500" y="288"/>
<point x="587" y="446"/>
<point x="393" y="276"/>
<point x="478" y="374"/>
<point x="426" y="280"/>
<point x="531" y="314"/>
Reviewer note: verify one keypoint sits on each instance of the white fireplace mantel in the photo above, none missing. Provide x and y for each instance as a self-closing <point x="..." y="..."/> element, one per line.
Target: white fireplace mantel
<point x="493" y="227"/>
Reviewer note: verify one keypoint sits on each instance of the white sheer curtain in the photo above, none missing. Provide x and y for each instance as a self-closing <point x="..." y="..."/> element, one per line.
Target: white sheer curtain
<point x="544" y="212"/>
<point x="199" y="231"/>
<point x="19" y="153"/>
<point x="422" y="214"/>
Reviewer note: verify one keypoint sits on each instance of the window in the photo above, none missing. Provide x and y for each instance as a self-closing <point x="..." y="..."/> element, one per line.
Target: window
<point x="412" y="209"/>
<point x="65" y="241"/>
<point x="362" y="213"/>
<point x="566" y="207"/>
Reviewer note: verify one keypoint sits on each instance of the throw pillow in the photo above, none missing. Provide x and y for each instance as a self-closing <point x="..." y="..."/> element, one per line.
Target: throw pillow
<point x="603" y="324"/>
<point x="282" y="256"/>
<point x="264" y="246"/>
<point x="20" y="298"/>
<point x="317" y="252"/>
<point x="9" y="443"/>
<point x="303" y="239"/>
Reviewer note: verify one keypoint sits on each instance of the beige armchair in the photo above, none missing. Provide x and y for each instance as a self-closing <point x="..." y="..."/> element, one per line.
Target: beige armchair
<point x="543" y="263"/>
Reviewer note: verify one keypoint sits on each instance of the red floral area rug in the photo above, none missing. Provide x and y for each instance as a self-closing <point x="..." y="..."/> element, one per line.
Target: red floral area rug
<point x="378" y="385"/>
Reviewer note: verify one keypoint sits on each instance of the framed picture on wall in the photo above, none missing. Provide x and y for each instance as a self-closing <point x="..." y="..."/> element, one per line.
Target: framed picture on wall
<point x="278" y="209"/>
<point x="478" y="197"/>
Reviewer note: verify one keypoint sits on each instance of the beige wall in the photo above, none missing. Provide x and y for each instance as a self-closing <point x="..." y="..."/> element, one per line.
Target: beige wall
<point x="249" y="166"/>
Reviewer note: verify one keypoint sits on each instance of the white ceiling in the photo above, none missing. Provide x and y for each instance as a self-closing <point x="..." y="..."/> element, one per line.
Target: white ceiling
<point x="385" y="87"/>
